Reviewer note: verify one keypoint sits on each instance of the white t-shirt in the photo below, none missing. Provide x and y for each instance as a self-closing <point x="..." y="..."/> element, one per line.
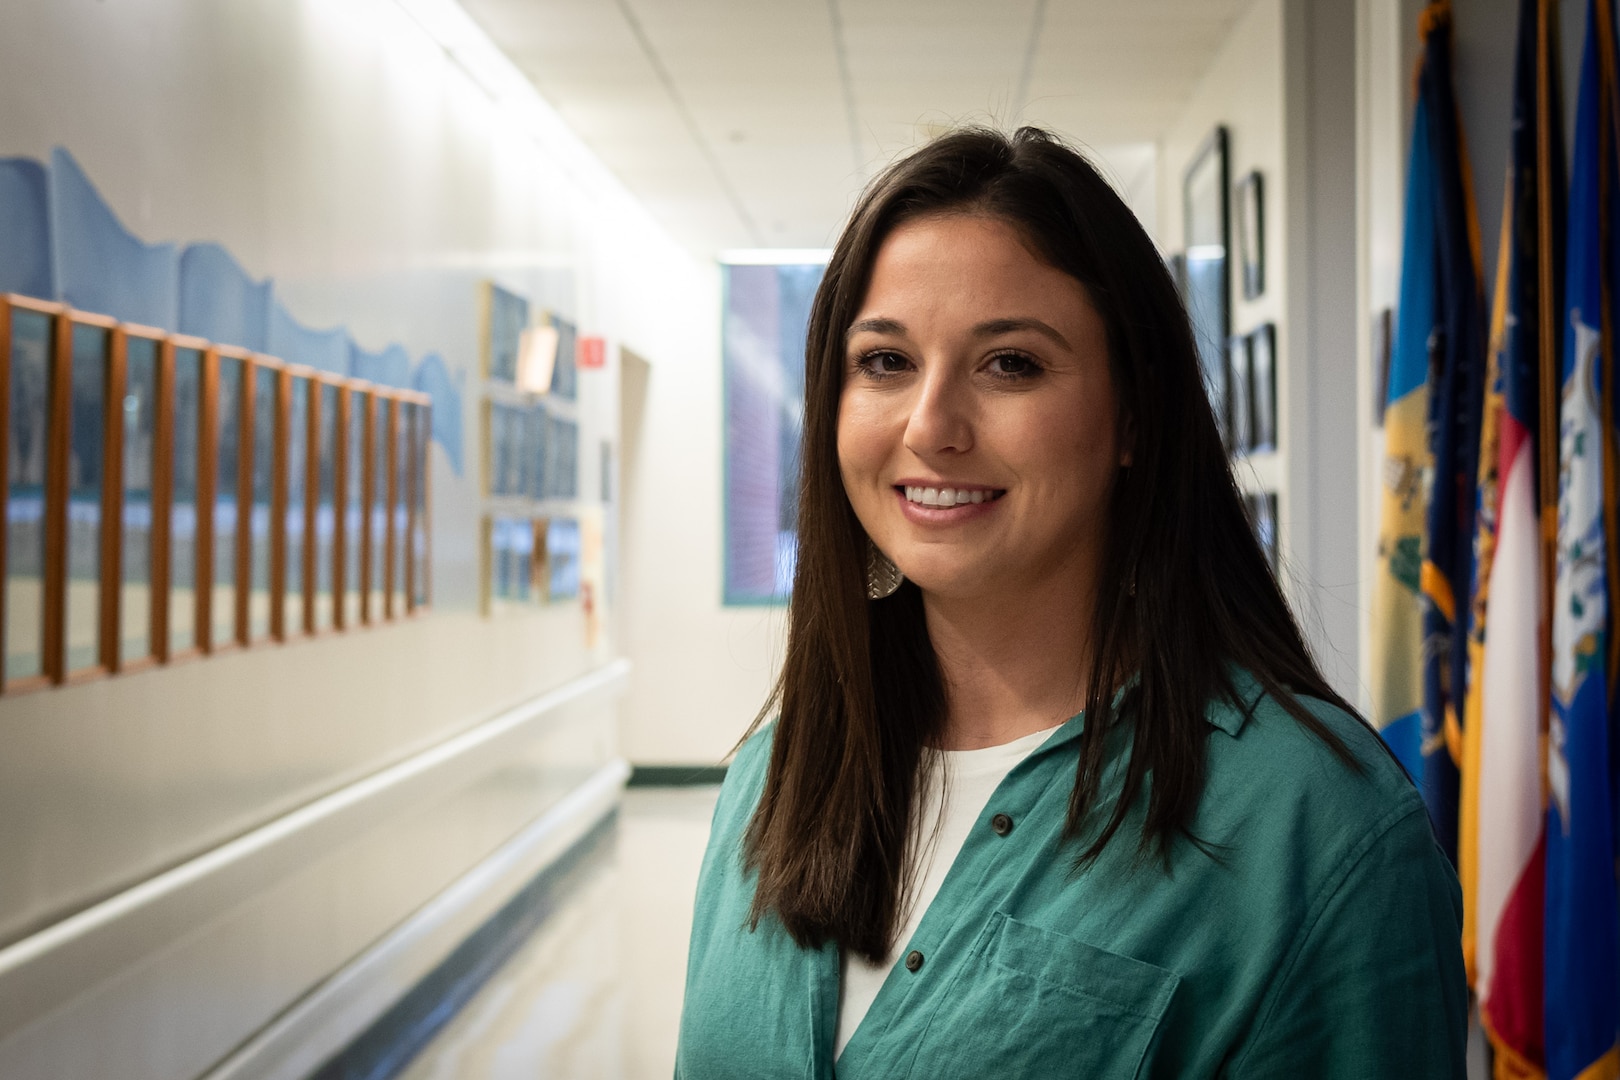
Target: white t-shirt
<point x="954" y="791"/>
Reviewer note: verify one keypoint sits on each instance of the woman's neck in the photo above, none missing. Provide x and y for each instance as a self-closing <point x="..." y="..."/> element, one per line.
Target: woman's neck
<point x="1012" y="665"/>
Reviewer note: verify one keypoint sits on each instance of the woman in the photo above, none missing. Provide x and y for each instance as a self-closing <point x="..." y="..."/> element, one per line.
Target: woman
<point x="1054" y="787"/>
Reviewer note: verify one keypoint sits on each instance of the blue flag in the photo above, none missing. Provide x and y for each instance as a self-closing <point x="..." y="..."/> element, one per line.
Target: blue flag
<point x="1397" y="640"/>
<point x="1456" y="346"/>
<point x="1582" y="935"/>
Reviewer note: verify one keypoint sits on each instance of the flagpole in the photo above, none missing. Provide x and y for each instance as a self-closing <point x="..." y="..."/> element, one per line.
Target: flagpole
<point x="1608" y="138"/>
<point x="1549" y="324"/>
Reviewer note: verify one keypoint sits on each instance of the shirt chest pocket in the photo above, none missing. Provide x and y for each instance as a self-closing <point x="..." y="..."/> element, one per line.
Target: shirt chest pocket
<point x="1033" y="1003"/>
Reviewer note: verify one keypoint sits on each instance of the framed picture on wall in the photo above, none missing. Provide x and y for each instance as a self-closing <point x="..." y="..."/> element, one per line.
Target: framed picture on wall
<point x="564" y="377"/>
<point x="1239" y="410"/>
<point x="505" y="315"/>
<point x="1251" y="233"/>
<point x="562" y="558"/>
<point x="1262" y="350"/>
<point x="1206" y="231"/>
<point x="766" y="309"/>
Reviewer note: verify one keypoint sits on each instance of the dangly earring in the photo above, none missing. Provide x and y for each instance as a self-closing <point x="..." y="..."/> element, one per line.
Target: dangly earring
<point x="882" y="576"/>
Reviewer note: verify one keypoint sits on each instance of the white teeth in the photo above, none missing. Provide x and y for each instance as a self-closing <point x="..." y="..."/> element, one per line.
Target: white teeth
<point x="944" y="498"/>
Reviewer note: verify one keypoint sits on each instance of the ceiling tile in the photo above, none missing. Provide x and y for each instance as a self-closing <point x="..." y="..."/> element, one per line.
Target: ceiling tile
<point x="705" y="104"/>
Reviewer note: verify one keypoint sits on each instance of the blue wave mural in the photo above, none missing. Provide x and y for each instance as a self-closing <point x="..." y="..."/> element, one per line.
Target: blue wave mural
<point x="323" y="350"/>
<point x="391" y="367"/>
<point x="433" y="378"/>
<point x="101" y="266"/>
<point x="59" y="240"/>
<point x="218" y="300"/>
<point x="25" y="235"/>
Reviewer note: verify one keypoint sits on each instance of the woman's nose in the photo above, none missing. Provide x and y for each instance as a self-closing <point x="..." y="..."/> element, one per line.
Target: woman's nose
<point x="941" y="417"/>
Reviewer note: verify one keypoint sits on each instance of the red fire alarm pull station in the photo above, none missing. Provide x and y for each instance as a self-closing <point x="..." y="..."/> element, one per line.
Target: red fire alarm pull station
<point x="592" y="352"/>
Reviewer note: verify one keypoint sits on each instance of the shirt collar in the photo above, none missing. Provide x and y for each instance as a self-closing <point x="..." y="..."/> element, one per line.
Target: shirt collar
<point x="1229" y="715"/>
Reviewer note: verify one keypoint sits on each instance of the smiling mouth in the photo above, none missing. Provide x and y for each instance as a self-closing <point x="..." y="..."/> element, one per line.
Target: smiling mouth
<point x="944" y="498"/>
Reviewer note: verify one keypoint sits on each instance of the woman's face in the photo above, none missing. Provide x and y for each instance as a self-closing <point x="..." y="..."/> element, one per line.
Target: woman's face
<point x="977" y="432"/>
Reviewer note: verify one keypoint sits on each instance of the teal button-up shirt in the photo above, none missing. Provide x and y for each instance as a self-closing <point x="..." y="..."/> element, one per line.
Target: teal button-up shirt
<point x="1323" y="942"/>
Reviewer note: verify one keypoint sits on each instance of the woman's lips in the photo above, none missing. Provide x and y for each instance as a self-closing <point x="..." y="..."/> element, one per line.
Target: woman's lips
<point x="946" y="505"/>
<point x="947" y="497"/>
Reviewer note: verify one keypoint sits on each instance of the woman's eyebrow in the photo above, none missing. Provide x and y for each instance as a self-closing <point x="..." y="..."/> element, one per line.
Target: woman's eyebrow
<point x="997" y="327"/>
<point x="875" y="326"/>
<point x="993" y="328"/>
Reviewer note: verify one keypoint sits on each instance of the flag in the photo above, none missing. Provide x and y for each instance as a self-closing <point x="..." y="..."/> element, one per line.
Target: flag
<point x="1427" y="533"/>
<point x="1582" y="950"/>
<point x="1397" y="641"/>
<point x="1502" y="853"/>
<point x="1456" y="375"/>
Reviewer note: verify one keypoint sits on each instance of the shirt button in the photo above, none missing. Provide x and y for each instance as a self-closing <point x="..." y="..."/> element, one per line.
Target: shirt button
<point x="914" y="960"/>
<point x="1002" y="824"/>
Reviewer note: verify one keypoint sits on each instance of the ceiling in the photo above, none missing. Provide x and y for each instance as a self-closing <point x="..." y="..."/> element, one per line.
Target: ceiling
<point x="754" y="123"/>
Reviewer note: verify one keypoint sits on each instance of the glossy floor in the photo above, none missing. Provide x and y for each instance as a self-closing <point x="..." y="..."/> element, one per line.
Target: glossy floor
<point x="596" y="993"/>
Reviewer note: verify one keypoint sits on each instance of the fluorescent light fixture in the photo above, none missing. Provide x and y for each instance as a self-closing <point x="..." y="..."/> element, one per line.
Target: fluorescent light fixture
<point x="465" y="42"/>
<point x="470" y="48"/>
<point x="446" y="22"/>
<point x="776" y="256"/>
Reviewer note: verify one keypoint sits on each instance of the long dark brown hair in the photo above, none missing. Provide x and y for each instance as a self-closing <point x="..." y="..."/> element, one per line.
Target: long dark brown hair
<point x="1184" y="590"/>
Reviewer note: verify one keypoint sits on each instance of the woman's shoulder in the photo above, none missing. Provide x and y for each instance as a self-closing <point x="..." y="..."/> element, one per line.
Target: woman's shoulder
<point x="1262" y="756"/>
<point x="1297" y="822"/>
<point x="1263" y="732"/>
<point x="755" y="752"/>
<point x="746" y="773"/>
<point x="745" y="779"/>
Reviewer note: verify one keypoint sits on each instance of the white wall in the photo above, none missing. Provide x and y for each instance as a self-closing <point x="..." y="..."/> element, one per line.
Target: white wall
<point x="702" y="669"/>
<point x="1243" y="89"/>
<point x="330" y="145"/>
<point x="1280" y="83"/>
<point x="333" y="147"/>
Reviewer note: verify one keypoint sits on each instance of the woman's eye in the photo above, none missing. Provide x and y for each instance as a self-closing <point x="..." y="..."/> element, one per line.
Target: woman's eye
<point x="882" y="363"/>
<point x="1013" y="365"/>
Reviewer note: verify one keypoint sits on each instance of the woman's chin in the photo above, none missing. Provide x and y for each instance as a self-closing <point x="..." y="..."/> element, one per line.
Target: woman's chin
<point x="954" y="583"/>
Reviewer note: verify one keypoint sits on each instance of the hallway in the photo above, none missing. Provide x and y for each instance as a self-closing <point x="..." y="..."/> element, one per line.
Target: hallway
<point x="402" y="429"/>
<point x="596" y="992"/>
